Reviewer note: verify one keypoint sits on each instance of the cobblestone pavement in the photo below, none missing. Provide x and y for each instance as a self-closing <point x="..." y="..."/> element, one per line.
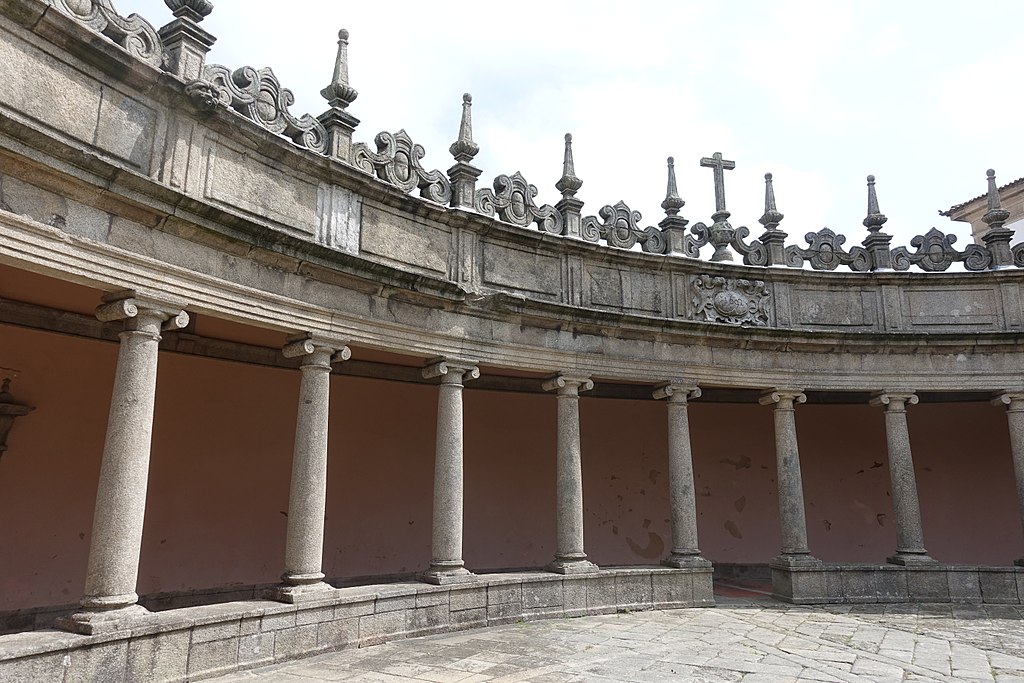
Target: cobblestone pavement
<point x="741" y="640"/>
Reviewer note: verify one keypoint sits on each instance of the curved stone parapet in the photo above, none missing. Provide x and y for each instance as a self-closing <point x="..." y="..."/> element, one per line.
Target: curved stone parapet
<point x="147" y="175"/>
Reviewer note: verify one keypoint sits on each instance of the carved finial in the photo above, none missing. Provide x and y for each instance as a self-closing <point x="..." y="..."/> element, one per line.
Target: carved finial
<point x="875" y="218"/>
<point x="464" y="149"/>
<point x="673" y="202"/>
<point x="771" y="217"/>
<point x="196" y="10"/>
<point x="339" y="94"/>
<point x="996" y="215"/>
<point x="568" y="184"/>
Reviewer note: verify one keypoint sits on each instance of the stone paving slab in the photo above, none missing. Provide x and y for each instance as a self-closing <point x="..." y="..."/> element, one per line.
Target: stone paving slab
<point x="743" y="640"/>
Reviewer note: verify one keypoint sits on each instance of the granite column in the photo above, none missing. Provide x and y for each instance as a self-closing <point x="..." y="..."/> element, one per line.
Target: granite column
<point x="1014" y="402"/>
<point x="682" y="500"/>
<point x="790" y="483"/>
<point x="307" y="497"/>
<point x="110" y="601"/>
<point x="446" y="564"/>
<point x="569" y="555"/>
<point x="909" y="534"/>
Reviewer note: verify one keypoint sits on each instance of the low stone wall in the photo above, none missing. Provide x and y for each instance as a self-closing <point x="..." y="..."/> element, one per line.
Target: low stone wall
<point x="871" y="583"/>
<point x="199" y="642"/>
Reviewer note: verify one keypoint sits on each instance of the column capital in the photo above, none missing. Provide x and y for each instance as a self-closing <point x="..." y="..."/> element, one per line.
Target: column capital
<point x="783" y="398"/>
<point x="566" y="384"/>
<point x="451" y="370"/>
<point x="1013" y="399"/>
<point x="894" y="401"/>
<point x="309" y="343"/>
<point x="130" y="305"/>
<point x="677" y="390"/>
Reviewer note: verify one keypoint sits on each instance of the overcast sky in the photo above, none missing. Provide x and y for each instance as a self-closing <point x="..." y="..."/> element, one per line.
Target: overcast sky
<point x="926" y="95"/>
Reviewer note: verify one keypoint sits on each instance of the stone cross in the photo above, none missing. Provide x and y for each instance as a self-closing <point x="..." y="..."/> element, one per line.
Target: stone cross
<point x="720" y="166"/>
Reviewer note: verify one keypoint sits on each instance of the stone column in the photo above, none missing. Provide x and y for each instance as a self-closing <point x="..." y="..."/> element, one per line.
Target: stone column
<point x="1014" y="402"/>
<point x="110" y="601"/>
<point x="791" y="489"/>
<point x="446" y="565"/>
<point x="569" y="555"/>
<point x="307" y="497"/>
<point x="682" y="499"/>
<point x="909" y="535"/>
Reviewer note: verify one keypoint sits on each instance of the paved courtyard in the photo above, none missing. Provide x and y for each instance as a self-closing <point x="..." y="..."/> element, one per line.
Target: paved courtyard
<point x="748" y="640"/>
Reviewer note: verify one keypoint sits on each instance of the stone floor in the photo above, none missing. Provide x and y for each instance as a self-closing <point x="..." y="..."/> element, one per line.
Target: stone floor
<point x="749" y="639"/>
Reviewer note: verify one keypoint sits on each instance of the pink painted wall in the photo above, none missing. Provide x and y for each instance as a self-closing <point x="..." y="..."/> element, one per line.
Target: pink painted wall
<point x="221" y="465"/>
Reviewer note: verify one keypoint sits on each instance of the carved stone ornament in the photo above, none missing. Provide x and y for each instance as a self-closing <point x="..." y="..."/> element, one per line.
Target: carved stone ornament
<point x="9" y="411"/>
<point x="620" y="228"/>
<point x="935" y="253"/>
<point x="512" y="200"/>
<point x="754" y="253"/>
<point x="825" y="252"/>
<point x="731" y="300"/>
<point x="258" y="96"/>
<point x="1018" y="255"/>
<point x="133" y="33"/>
<point x="197" y="10"/>
<point x="397" y="162"/>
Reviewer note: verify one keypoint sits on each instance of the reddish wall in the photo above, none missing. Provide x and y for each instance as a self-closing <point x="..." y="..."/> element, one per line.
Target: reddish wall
<point x="221" y="464"/>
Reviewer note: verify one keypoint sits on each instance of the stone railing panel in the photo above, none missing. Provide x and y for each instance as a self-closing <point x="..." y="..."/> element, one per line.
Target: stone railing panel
<point x="72" y="104"/>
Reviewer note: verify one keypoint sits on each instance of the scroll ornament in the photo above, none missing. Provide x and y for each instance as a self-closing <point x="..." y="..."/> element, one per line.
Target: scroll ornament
<point x="935" y="253"/>
<point x="512" y="201"/>
<point x="258" y="96"/>
<point x="825" y="252"/>
<point x="397" y="162"/>
<point x="620" y="228"/>
<point x="133" y="33"/>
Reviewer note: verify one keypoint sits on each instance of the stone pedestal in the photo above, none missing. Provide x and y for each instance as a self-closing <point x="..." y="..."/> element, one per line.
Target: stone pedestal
<point x="909" y="534"/>
<point x="307" y="497"/>
<point x="569" y="555"/>
<point x="682" y="500"/>
<point x="110" y="601"/>
<point x="446" y="565"/>
<point x="1014" y="402"/>
<point x="795" y="552"/>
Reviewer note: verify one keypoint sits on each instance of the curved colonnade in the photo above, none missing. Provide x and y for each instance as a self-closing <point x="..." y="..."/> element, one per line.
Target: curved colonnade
<point x="174" y="209"/>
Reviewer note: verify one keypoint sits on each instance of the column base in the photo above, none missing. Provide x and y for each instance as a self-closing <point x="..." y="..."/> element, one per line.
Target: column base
<point x="906" y="559"/>
<point x="680" y="561"/>
<point x="90" y="622"/>
<point x="445" y="576"/>
<point x="571" y="566"/>
<point x="300" y="593"/>
<point x="795" y="561"/>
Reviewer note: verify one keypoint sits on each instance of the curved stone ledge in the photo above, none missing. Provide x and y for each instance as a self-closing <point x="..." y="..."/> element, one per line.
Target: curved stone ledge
<point x="199" y="642"/>
<point x="889" y="583"/>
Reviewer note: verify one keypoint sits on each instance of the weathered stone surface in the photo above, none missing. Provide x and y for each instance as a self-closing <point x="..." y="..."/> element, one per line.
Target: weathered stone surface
<point x="243" y="182"/>
<point x="294" y="642"/>
<point x="338" y="633"/>
<point x="256" y="648"/>
<point x="538" y="594"/>
<point x="633" y="589"/>
<point x="48" y="667"/>
<point x="378" y="628"/>
<point x="672" y="589"/>
<point x="964" y="586"/>
<point x="926" y="585"/>
<point x="216" y="656"/>
<point x="998" y="587"/>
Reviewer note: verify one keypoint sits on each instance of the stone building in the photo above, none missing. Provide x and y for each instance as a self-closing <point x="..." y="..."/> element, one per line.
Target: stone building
<point x="973" y="212"/>
<point x="269" y="390"/>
